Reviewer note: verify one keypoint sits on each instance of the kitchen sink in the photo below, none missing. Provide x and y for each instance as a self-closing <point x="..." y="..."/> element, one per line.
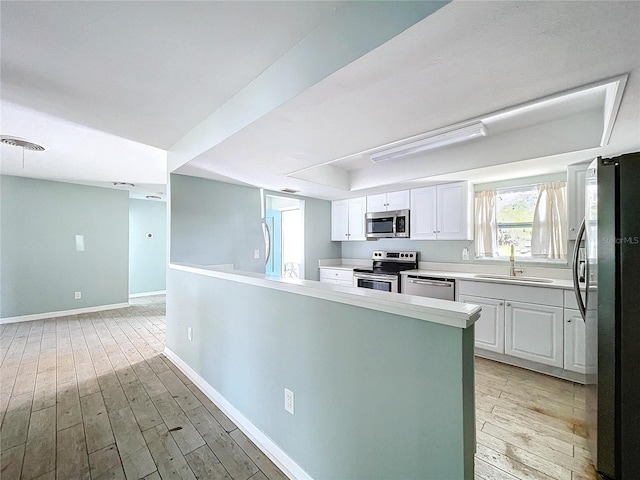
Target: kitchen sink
<point x="515" y="279"/>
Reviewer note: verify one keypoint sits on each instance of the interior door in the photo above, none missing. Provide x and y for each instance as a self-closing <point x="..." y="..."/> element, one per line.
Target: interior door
<point x="273" y="220"/>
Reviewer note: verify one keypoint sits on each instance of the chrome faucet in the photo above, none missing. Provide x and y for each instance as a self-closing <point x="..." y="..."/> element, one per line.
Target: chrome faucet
<point x="512" y="260"/>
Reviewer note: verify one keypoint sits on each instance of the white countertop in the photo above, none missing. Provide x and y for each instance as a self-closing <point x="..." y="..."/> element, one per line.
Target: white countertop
<point x="562" y="283"/>
<point x="345" y="266"/>
<point x="453" y="314"/>
<point x="555" y="283"/>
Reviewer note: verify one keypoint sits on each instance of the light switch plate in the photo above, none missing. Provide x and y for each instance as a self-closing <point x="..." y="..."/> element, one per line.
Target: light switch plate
<point x="288" y="400"/>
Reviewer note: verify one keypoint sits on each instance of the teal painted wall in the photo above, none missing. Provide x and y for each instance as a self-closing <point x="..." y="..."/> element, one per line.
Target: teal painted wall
<point x="215" y="222"/>
<point x="40" y="266"/>
<point x="147" y="256"/>
<point x="377" y="396"/>
<point x="448" y="251"/>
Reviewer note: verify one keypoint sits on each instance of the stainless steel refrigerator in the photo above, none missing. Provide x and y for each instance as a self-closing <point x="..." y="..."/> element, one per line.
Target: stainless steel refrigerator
<point x="610" y="302"/>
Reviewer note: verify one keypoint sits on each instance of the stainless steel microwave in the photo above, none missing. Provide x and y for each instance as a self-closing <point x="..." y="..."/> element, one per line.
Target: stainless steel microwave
<point x="394" y="224"/>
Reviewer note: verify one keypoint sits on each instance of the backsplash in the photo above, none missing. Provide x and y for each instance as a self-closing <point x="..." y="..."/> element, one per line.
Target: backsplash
<point x="443" y="251"/>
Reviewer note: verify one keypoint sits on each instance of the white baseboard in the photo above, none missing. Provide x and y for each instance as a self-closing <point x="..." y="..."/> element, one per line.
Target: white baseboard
<point x="147" y="294"/>
<point x="61" y="313"/>
<point x="285" y="463"/>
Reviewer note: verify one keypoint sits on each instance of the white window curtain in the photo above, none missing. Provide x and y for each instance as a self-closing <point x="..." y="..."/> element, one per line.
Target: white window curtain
<point x="549" y="232"/>
<point x="486" y="224"/>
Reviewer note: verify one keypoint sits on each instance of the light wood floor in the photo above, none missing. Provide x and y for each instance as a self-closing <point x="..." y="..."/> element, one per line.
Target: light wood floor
<point x="92" y="396"/>
<point x="529" y="425"/>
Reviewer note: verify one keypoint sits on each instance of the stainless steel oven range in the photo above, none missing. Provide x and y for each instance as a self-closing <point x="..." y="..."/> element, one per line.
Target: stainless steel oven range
<point x="384" y="273"/>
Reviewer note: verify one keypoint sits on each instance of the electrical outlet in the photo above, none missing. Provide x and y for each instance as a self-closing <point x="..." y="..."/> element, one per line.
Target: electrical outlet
<point x="256" y="254"/>
<point x="288" y="400"/>
<point x="189" y="333"/>
<point x="465" y="254"/>
<point x="78" y="295"/>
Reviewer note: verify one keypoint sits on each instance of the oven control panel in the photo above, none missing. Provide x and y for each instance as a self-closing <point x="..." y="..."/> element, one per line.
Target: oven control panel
<point x="395" y="256"/>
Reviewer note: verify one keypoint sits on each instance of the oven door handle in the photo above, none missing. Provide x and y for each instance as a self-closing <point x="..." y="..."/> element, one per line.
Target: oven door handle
<point x="382" y="278"/>
<point x="431" y="283"/>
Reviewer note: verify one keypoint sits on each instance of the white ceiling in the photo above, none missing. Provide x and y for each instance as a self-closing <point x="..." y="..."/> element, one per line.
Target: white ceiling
<point x="130" y="81"/>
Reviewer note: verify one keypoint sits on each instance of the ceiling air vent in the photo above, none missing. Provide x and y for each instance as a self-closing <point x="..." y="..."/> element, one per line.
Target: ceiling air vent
<point x="21" y="142"/>
<point x="289" y="190"/>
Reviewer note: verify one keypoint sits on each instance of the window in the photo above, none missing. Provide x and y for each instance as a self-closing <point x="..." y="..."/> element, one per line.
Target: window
<point x="515" y="211"/>
<point x="531" y="220"/>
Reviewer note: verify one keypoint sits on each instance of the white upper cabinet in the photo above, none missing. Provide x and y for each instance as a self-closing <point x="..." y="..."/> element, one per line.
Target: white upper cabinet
<point x="347" y="219"/>
<point x="340" y="220"/>
<point x="576" y="175"/>
<point x="357" y="210"/>
<point x="423" y="213"/>
<point x="385" y="202"/>
<point x="442" y="212"/>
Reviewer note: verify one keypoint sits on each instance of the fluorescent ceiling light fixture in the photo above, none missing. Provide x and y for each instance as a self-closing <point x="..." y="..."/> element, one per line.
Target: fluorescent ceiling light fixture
<point x="451" y="137"/>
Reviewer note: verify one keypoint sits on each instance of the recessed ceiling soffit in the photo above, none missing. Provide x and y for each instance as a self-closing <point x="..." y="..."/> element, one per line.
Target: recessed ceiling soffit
<point x="569" y="121"/>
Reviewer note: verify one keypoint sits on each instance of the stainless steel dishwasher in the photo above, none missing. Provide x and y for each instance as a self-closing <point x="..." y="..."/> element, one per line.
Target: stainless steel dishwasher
<point x="433" y="287"/>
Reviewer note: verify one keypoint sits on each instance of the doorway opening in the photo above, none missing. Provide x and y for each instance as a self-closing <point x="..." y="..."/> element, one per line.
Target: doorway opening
<point x="285" y="224"/>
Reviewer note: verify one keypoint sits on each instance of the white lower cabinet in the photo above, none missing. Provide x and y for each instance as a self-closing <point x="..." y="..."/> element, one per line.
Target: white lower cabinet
<point x="337" y="276"/>
<point x="524" y="325"/>
<point x="574" y="341"/>
<point x="489" y="329"/>
<point x="535" y="333"/>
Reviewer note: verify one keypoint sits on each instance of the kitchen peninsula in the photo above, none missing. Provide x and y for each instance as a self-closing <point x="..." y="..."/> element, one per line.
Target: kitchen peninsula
<point x="383" y="383"/>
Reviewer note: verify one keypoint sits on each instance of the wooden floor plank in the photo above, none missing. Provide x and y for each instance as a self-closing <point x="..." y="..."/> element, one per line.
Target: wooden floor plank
<point x="40" y="451"/>
<point x="105" y="463"/>
<point x="11" y="462"/>
<point x="143" y="408"/>
<point x="259" y="458"/>
<point x="136" y="458"/>
<point x="114" y="399"/>
<point x="179" y="391"/>
<point x="487" y="471"/>
<point x="96" y="422"/>
<point x="183" y="431"/>
<point x="87" y="379"/>
<point x="234" y="459"/>
<point x="575" y="464"/>
<point x="26" y="379"/>
<point x="15" y="425"/>
<point x="218" y="414"/>
<point x="205" y="465"/>
<point x="68" y="405"/>
<point x="168" y="457"/>
<point x="45" y="392"/>
<point x="149" y="379"/>
<point x="72" y="460"/>
<point x="523" y="456"/>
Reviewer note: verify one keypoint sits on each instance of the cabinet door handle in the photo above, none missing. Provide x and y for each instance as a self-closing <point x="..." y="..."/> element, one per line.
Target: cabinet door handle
<point x="569" y="321"/>
<point x="508" y="304"/>
<point x="501" y="304"/>
<point x="572" y="229"/>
